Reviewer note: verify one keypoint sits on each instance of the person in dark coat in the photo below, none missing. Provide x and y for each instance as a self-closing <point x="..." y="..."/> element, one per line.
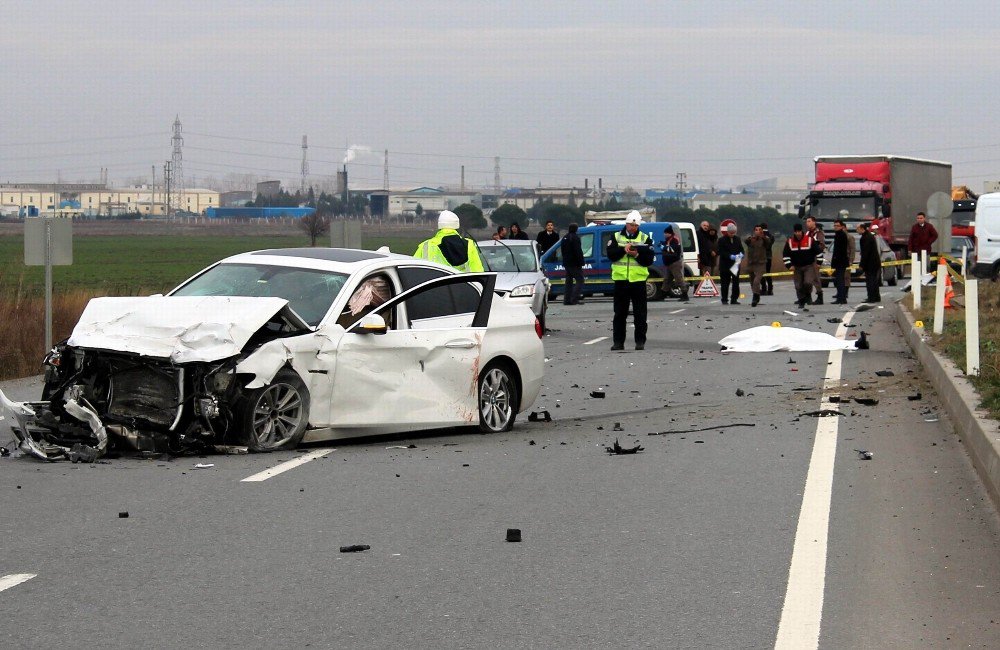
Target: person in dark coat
<point x="800" y="255"/>
<point x="841" y="259"/>
<point x="767" y="283"/>
<point x="547" y="238"/>
<point x="871" y="263"/>
<point x="922" y="235"/>
<point x="756" y="262"/>
<point x="572" y="256"/>
<point x="673" y="259"/>
<point x="516" y="232"/>
<point x="730" y="250"/>
<point x="706" y="248"/>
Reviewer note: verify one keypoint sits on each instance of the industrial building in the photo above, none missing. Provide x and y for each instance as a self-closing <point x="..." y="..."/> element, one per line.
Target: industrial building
<point x="92" y="200"/>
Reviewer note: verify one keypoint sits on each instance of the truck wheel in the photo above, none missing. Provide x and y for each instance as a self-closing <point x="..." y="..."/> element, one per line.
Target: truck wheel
<point x="654" y="290"/>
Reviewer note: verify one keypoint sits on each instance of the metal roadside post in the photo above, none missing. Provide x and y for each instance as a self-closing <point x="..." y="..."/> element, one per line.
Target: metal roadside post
<point x="916" y="279"/>
<point x="965" y="259"/>
<point x="972" y="327"/>
<point x="48" y="242"/>
<point x="941" y="283"/>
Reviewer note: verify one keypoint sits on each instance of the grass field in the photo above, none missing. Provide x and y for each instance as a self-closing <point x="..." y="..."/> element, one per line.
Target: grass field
<point x="126" y="264"/>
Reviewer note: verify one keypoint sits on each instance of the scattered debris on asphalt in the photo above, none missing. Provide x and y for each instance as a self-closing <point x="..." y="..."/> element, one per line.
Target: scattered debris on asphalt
<point x="4" y="452"/>
<point x="531" y="442"/>
<point x="834" y="399"/>
<point x="862" y="343"/>
<point x="618" y="427"/>
<point x="885" y="373"/>
<point x="739" y="392"/>
<point x="539" y="416"/>
<point x="721" y="426"/>
<point x="833" y="320"/>
<point x="121" y="515"/>
<point x="618" y="450"/>
<point x="402" y="447"/>
<point x="915" y="398"/>
<point x="866" y="401"/>
<point x="232" y="450"/>
<point x="513" y="534"/>
<point x="354" y="548"/>
<point x="822" y="413"/>
<point x="931" y="418"/>
<point x="791" y="360"/>
<point x="864" y="454"/>
<point x="598" y="394"/>
<point x="204" y="466"/>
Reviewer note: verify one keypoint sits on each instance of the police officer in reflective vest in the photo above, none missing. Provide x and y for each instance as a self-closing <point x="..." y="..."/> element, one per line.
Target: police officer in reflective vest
<point x="631" y="253"/>
<point x="450" y="248"/>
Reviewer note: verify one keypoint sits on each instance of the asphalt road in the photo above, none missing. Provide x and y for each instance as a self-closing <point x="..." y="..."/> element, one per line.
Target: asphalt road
<point x="687" y="544"/>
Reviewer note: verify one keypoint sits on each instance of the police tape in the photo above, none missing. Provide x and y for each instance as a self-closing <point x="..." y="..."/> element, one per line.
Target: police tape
<point x="827" y="272"/>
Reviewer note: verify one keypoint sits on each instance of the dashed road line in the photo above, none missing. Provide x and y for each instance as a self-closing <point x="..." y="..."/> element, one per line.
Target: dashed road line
<point x="597" y="340"/>
<point x="677" y="311"/>
<point x="287" y="465"/>
<point x="802" y="612"/>
<point x="15" y="579"/>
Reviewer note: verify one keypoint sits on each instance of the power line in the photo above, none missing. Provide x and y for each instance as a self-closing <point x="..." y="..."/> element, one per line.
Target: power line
<point x="73" y="140"/>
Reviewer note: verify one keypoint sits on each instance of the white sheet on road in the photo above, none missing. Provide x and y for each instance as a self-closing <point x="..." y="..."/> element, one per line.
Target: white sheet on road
<point x="782" y="339"/>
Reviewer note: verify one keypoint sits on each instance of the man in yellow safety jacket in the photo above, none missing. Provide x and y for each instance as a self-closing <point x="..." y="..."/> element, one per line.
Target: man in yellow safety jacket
<point x="631" y="253"/>
<point x="450" y="248"/>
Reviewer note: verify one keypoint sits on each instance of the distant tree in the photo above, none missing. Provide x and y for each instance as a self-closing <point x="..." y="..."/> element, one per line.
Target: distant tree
<point x="469" y="216"/>
<point x="419" y="211"/>
<point x="507" y="214"/>
<point x="561" y="215"/>
<point x="314" y="225"/>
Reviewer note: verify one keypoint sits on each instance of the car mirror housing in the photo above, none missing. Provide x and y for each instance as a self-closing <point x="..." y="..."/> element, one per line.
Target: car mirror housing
<point x="371" y="324"/>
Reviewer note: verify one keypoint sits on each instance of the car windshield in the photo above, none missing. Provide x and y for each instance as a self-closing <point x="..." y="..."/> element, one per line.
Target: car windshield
<point x="509" y="260"/>
<point x="309" y="292"/>
<point x="859" y="208"/>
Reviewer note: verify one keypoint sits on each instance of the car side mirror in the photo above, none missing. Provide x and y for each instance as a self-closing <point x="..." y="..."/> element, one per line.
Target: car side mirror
<point x="371" y="324"/>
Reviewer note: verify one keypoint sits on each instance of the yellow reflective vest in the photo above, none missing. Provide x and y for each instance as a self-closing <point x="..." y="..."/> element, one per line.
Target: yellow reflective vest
<point x="431" y="250"/>
<point x="628" y="268"/>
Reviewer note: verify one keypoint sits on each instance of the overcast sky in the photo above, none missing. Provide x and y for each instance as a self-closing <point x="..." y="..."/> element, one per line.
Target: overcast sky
<point x="728" y="92"/>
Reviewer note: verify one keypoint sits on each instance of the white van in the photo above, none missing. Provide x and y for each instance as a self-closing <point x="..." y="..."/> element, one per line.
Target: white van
<point x="988" y="236"/>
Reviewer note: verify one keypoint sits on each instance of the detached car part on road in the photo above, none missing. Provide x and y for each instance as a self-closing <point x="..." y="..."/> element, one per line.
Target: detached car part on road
<point x="270" y="348"/>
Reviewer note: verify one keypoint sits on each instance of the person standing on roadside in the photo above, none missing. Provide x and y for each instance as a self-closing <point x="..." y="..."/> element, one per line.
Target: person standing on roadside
<point x="673" y="259"/>
<point x="631" y="253"/>
<point x="449" y="247"/>
<point x="572" y="257"/>
<point x="516" y="232"/>
<point x="871" y="263"/>
<point x="800" y="256"/>
<point x="841" y="258"/>
<point x="767" y="285"/>
<point x="730" y="250"/>
<point x="756" y="261"/>
<point x="819" y="237"/>
<point x="922" y="235"/>
<point x="706" y="249"/>
<point x="547" y="238"/>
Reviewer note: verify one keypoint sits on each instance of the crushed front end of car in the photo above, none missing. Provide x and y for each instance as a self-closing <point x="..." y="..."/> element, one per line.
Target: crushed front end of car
<point x="123" y="384"/>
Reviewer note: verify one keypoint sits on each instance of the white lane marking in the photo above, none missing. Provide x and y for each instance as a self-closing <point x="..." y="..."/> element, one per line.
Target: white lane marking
<point x="803" y="609"/>
<point x="676" y="311"/>
<point x="287" y="465"/>
<point x="15" y="579"/>
<point x="597" y="340"/>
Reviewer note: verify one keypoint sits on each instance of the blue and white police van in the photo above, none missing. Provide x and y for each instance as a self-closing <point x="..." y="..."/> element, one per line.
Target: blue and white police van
<point x="597" y="266"/>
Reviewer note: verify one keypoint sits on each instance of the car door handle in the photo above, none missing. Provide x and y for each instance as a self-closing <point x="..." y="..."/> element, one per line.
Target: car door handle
<point x="463" y="344"/>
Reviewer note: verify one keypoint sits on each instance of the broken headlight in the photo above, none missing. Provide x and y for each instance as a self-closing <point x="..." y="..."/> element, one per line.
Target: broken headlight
<point x="221" y="380"/>
<point x="523" y="291"/>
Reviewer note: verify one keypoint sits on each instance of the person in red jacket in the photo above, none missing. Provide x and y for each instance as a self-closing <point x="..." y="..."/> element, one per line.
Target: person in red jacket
<point x="922" y="235"/>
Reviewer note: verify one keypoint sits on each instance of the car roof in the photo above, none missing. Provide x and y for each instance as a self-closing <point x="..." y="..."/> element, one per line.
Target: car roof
<point x="339" y="260"/>
<point x="506" y="242"/>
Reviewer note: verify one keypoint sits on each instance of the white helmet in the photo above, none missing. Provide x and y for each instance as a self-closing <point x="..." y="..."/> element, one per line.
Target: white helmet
<point x="634" y="217"/>
<point x="448" y="219"/>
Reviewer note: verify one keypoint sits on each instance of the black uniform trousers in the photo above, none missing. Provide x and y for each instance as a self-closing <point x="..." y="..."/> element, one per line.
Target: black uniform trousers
<point x="767" y="282"/>
<point x="635" y="293"/>
<point x="873" y="280"/>
<point x="574" y="285"/>
<point x="727" y="280"/>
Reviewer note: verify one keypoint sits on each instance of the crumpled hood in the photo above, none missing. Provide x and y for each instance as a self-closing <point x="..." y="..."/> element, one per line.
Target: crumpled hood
<point x="182" y="328"/>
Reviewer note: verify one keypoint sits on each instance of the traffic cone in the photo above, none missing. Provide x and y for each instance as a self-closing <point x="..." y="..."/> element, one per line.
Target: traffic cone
<point x="948" y="292"/>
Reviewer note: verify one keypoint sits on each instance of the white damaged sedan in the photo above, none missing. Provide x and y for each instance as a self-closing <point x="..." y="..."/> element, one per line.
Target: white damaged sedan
<point x="270" y="348"/>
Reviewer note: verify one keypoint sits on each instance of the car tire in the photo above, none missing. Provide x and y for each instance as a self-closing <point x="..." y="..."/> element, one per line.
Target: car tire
<point x="541" y="317"/>
<point x="497" y="398"/>
<point x="654" y="290"/>
<point x="891" y="281"/>
<point x="274" y="416"/>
